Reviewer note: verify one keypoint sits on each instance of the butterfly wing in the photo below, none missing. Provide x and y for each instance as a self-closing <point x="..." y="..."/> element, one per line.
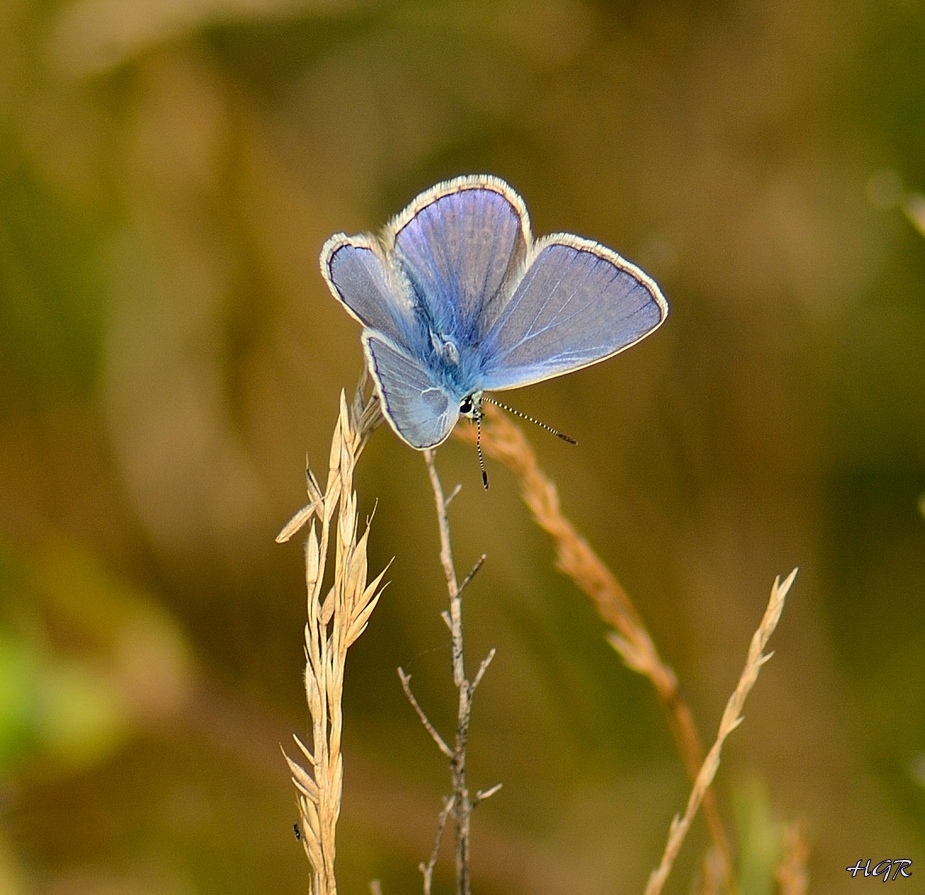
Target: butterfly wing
<point x="460" y="245"/>
<point x="376" y="294"/>
<point x="578" y="303"/>
<point x="419" y="409"/>
<point x="430" y="288"/>
<point x="372" y="290"/>
<point x="456" y="298"/>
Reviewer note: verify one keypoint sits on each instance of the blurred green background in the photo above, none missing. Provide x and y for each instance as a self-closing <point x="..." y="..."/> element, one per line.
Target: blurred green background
<point x="169" y="354"/>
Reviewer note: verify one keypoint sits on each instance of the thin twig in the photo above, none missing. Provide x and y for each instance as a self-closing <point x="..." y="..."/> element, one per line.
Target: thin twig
<point x="461" y="802"/>
<point x="472" y="572"/>
<point x="428" y="726"/>
<point x="483" y="667"/>
<point x="427" y="870"/>
<point x="483" y="794"/>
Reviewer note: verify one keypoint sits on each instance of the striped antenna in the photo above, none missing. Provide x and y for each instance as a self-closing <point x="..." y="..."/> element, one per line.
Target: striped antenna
<point x="530" y="419"/>
<point x="478" y="447"/>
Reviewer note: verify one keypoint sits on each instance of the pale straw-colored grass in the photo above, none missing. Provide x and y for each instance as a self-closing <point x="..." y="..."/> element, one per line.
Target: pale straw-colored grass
<point x="792" y="875"/>
<point x="337" y="616"/>
<point x="732" y="718"/>
<point x="504" y="441"/>
<point x="339" y="613"/>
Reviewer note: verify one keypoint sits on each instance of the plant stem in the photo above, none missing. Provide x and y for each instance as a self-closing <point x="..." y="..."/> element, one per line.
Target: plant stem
<point x="462" y="804"/>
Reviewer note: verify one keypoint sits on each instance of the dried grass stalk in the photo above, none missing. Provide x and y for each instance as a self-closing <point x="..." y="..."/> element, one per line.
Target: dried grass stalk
<point x="336" y="618"/>
<point x="732" y="717"/>
<point x="792" y="874"/>
<point x="504" y="441"/>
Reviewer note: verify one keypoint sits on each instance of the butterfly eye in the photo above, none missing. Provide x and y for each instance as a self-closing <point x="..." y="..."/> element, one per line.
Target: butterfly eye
<point x="471" y="406"/>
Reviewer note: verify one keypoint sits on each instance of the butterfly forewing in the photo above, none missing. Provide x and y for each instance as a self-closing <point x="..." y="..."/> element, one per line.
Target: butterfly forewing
<point x="460" y="245"/>
<point x="578" y="303"/>
<point x="372" y="292"/>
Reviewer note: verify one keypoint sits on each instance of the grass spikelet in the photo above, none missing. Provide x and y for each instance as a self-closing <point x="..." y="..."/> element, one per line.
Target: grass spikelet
<point x="732" y="717"/>
<point x="335" y="619"/>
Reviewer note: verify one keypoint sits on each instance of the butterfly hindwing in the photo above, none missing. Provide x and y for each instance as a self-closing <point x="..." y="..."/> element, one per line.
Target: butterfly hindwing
<point x="418" y="407"/>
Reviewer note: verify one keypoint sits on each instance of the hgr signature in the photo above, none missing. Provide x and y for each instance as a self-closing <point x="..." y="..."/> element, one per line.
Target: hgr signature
<point x="884" y="868"/>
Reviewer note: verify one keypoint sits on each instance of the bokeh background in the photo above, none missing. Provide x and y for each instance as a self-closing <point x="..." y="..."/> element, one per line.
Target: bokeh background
<point x="169" y="354"/>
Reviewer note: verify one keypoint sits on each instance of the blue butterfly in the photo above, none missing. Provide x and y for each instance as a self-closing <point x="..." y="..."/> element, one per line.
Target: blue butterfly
<point x="456" y="298"/>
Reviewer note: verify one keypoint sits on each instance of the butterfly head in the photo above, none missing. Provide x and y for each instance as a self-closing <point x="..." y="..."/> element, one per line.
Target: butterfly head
<point x="471" y="407"/>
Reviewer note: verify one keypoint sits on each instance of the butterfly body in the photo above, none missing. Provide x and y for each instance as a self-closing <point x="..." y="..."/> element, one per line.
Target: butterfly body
<point x="456" y="298"/>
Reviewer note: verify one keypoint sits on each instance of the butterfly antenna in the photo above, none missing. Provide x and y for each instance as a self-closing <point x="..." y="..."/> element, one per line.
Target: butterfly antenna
<point x="478" y="447"/>
<point x="529" y="419"/>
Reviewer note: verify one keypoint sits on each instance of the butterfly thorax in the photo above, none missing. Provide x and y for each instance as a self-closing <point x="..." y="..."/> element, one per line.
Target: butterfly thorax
<point x="447" y="349"/>
<point x="444" y="349"/>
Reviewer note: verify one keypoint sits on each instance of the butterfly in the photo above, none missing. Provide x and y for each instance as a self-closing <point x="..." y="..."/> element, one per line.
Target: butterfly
<point x="456" y="298"/>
